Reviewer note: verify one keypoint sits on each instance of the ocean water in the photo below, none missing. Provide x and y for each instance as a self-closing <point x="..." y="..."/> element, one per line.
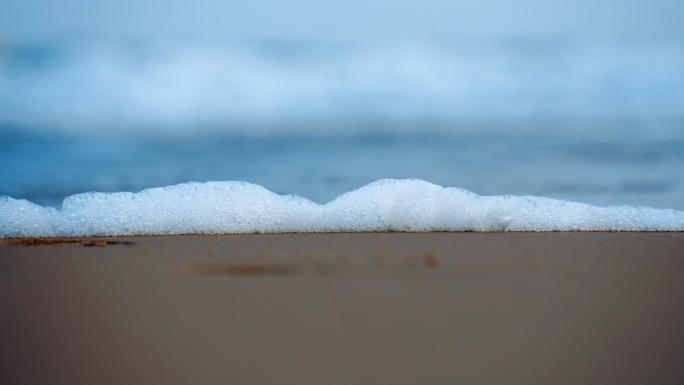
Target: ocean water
<point x="600" y="123"/>
<point x="618" y="166"/>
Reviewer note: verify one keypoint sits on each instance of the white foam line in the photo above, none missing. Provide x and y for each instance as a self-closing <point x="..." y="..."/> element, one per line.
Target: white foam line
<point x="385" y="205"/>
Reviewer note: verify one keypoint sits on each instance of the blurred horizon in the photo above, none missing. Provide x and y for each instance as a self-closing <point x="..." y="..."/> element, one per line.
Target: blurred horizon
<point x="243" y="67"/>
<point x="266" y="87"/>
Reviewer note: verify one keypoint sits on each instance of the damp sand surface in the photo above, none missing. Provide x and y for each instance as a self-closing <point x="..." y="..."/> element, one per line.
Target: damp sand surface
<point x="355" y="308"/>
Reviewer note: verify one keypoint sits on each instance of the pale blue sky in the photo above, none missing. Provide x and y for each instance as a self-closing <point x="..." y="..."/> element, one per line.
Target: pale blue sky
<point x="350" y="20"/>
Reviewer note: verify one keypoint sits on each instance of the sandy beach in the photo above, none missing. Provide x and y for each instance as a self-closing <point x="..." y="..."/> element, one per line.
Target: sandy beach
<point x="365" y="308"/>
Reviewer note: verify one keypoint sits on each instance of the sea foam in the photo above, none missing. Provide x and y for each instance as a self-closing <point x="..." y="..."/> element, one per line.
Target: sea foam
<point x="384" y="205"/>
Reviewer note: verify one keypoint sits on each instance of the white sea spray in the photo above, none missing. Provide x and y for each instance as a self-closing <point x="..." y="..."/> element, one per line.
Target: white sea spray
<point x="75" y="86"/>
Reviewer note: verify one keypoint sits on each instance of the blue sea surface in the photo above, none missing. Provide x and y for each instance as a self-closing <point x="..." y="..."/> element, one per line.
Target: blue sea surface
<point x="634" y="166"/>
<point x="600" y="122"/>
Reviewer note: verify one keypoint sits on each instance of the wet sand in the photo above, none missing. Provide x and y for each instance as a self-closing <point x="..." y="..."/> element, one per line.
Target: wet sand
<point x="378" y="308"/>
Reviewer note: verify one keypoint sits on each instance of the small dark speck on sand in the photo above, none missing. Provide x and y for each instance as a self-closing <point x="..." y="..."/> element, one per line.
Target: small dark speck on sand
<point x="431" y="259"/>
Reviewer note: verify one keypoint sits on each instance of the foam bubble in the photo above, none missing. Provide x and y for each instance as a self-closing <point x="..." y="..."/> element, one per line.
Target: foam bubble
<point x="385" y="205"/>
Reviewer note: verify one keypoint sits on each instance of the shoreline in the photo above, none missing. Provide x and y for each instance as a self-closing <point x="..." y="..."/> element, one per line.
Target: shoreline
<point x="339" y="308"/>
<point x="32" y="240"/>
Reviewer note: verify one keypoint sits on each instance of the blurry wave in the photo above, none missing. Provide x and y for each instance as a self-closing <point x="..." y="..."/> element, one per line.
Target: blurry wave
<point x="79" y="85"/>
